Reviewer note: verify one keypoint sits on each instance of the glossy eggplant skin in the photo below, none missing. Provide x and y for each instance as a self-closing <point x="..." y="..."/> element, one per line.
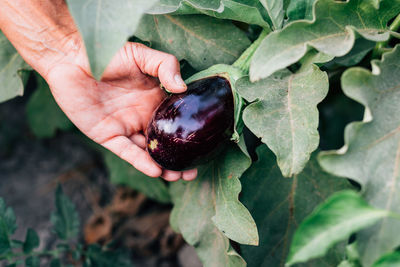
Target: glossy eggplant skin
<point x="187" y="128"/>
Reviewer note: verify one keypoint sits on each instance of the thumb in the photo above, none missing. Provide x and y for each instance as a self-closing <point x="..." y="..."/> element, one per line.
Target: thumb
<point x="159" y="64"/>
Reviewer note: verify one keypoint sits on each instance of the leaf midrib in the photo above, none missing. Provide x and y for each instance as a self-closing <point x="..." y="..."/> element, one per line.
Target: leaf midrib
<point x="291" y="122"/>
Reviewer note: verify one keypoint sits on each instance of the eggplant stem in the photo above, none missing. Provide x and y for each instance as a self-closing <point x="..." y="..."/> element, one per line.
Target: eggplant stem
<point x="243" y="62"/>
<point x="381" y="47"/>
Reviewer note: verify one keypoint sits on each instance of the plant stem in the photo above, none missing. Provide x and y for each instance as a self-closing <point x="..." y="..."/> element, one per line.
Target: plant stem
<point x="395" y="24"/>
<point x="243" y="62"/>
<point x="380" y="47"/>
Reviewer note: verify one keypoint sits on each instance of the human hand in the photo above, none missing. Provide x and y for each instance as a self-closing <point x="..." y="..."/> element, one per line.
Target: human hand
<point x="115" y="111"/>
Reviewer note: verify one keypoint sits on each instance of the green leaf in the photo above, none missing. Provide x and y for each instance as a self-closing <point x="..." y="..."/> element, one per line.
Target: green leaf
<point x="300" y="9"/>
<point x="371" y="155"/>
<point x="203" y="41"/>
<point x="8" y="225"/>
<point x="32" y="261"/>
<point x="122" y="172"/>
<point x="99" y="257"/>
<point x="65" y="218"/>
<point x="11" y="66"/>
<point x="31" y="241"/>
<point x="169" y="6"/>
<point x="332" y="32"/>
<point x="44" y="115"/>
<point x="332" y="221"/>
<point x="275" y="11"/>
<point x="279" y="205"/>
<point x="105" y="26"/>
<point x="284" y="114"/>
<point x="361" y="48"/>
<point x="246" y="11"/>
<point x="242" y="10"/>
<point x="388" y="260"/>
<point x="207" y="209"/>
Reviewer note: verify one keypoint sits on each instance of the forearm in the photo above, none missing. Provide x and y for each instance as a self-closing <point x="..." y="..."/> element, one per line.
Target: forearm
<point x="42" y="31"/>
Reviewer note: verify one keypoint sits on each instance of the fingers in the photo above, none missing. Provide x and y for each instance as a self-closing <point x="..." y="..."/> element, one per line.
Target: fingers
<point x="189" y="175"/>
<point x="171" y="176"/>
<point x="161" y="65"/>
<point x="131" y="150"/>
<point x="139" y="158"/>
<point x="139" y="140"/>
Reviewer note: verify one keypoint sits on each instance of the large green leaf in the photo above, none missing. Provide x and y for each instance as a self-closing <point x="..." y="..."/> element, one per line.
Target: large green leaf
<point x="334" y="220"/>
<point x="275" y="11"/>
<point x="105" y="26"/>
<point x="122" y="172"/>
<point x="11" y="64"/>
<point x="371" y="155"/>
<point x="8" y="225"/>
<point x="285" y="114"/>
<point x="207" y="210"/>
<point x="332" y="32"/>
<point x="279" y="204"/>
<point x="169" y="6"/>
<point x="44" y="115"/>
<point x="65" y="218"/>
<point x="247" y="11"/>
<point x="201" y="40"/>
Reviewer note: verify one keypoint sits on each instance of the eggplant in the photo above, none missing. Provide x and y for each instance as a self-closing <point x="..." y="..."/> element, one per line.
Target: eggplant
<point x="186" y="129"/>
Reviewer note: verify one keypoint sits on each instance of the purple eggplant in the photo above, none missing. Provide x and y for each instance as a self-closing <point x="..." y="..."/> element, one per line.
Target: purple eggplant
<point x="187" y="128"/>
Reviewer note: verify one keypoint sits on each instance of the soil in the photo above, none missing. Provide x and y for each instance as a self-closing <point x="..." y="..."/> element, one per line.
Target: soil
<point x="31" y="168"/>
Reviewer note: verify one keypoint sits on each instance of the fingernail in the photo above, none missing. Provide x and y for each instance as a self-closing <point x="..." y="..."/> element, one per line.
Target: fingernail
<point x="179" y="81"/>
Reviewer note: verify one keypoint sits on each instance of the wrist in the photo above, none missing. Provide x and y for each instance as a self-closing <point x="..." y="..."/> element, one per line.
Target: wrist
<point x="42" y="31"/>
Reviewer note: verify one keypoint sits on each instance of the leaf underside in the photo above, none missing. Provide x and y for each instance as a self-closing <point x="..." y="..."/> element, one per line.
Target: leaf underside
<point x="190" y="38"/>
<point x="333" y="32"/>
<point x="11" y="63"/>
<point x="284" y="114"/>
<point x="105" y="27"/>
<point x="371" y="155"/>
<point x="207" y="210"/>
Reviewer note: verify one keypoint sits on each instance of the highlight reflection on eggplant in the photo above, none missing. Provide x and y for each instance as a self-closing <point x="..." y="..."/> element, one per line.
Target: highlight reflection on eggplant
<point x="187" y="128"/>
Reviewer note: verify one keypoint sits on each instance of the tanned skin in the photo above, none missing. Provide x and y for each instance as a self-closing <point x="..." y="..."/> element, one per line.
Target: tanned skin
<point x="113" y="112"/>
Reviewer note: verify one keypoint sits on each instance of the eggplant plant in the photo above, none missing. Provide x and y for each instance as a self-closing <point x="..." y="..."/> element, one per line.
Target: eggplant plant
<point x="188" y="128"/>
<point x="291" y="117"/>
